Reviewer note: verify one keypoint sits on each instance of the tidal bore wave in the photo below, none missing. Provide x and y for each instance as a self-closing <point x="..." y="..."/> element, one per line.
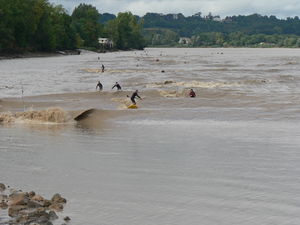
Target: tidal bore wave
<point x="51" y="115"/>
<point x="205" y="84"/>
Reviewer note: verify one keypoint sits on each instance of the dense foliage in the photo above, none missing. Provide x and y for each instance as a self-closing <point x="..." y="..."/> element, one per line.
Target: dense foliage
<point x="105" y="17"/>
<point x="252" y="30"/>
<point x="34" y="25"/>
<point x="125" y="31"/>
<point x="85" y="21"/>
<point x="37" y="25"/>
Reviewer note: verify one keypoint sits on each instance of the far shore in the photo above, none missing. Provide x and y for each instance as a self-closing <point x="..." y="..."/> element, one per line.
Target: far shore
<point x="55" y="53"/>
<point x="38" y="54"/>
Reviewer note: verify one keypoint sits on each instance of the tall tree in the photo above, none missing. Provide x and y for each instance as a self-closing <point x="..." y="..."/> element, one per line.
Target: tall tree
<point x="64" y="33"/>
<point x="86" y="23"/>
<point x="34" y="25"/>
<point x="125" y="31"/>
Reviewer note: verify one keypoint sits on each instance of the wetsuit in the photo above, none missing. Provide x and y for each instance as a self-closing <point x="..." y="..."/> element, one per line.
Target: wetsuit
<point x="133" y="96"/>
<point x="117" y="86"/>
<point x="103" y="68"/>
<point x="192" y="94"/>
<point x="100" y="86"/>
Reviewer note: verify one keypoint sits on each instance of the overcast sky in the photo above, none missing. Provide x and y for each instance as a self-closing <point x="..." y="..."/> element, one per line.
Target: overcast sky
<point x="279" y="8"/>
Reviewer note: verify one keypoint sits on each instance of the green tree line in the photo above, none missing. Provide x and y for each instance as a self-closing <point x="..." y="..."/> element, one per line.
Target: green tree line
<point x="236" y="31"/>
<point x="239" y="39"/>
<point x="169" y="38"/>
<point x="251" y="24"/>
<point x="29" y="25"/>
<point x="37" y="25"/>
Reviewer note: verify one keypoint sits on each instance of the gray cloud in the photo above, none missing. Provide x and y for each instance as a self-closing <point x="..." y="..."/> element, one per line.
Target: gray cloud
<point x="287" y="8"/>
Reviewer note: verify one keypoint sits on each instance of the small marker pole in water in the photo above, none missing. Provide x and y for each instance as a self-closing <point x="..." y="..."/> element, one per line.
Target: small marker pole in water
<point x="23" y="98"/>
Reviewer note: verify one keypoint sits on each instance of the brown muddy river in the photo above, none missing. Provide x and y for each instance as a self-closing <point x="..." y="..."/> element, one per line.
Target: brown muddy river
<point x="229" y="156"/>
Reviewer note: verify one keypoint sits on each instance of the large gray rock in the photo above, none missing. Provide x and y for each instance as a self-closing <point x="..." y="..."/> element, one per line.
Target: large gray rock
<point x="3" y="205"/>
<point x="58" y="199"/>
<point x="53" y="215"/>
<point x="38" y="198"/>
<point x="58" y="207"/>
<point x="18" y="199"/>
<point x="34" y="204"/>
<point x="3" y="197"/>
<point x="67" y="219"/>
<point x="2" y="187"/>
<point x="46" y="203"/>
<point x="28" y="208"/>
<point x="16" y="210"/>
<point x="31" y="194"/>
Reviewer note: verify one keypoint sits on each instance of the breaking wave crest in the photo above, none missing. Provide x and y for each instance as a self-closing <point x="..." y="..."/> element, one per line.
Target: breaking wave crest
<point x="117" y="71"/>
<point x="172" y="93"/>
<point x="200" y="84"/>
<point x="205" y="84"/>
<point x="51" y="115"/>
<point x="124" y="102"/>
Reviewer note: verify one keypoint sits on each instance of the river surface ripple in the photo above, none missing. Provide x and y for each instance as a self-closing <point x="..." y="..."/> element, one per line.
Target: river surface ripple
<point x="229" y="156"/>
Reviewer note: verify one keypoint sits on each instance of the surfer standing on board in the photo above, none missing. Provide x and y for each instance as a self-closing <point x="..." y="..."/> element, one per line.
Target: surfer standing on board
<point x="117" y="85"/>
<point x="133" y="96"/>
<point x="99" y="85"/>
<point x="102" y="68"/>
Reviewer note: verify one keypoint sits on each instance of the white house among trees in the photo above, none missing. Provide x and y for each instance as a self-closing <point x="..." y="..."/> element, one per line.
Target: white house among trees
<point x="185" y="40"/>
<point x="106" y="42"/>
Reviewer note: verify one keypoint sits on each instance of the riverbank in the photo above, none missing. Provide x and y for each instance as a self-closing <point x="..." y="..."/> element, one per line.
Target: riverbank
<point x="57" y="53"/>
<point x="38" y="54"/>
<point x="28" y="207"/>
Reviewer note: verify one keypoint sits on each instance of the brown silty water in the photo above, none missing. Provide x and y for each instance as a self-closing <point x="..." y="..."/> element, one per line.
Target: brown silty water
<point x="248" y="79"/>
<point x="228" y="156"/>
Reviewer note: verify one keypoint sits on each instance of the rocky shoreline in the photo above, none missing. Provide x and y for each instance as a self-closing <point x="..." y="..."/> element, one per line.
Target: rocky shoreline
<point x="29" y="208"/>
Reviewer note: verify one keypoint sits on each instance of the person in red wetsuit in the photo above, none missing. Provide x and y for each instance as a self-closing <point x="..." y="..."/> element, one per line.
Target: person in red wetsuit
<point x="192" y="94"/>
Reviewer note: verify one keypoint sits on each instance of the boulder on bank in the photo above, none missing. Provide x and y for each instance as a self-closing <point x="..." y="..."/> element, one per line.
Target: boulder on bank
<point x="2" y="187"/>
<point x="58" y="199"/>
<point x="3" y="205"/>
<point x="18" y="199"/>
<point x="29" y="207"/>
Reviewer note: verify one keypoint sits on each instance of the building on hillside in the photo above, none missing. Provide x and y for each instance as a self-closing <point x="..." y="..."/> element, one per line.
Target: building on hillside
<point x="217" y="19"/>
<point x="174" y="16"/>
<point x="198" y="14"/>
<point x="227" y="19"/>
<point x="185" y="41"/>
<point x="106" y="42"/>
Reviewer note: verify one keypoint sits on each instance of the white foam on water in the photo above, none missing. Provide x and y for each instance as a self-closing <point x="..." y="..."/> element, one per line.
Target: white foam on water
<point x="48" y="116"/>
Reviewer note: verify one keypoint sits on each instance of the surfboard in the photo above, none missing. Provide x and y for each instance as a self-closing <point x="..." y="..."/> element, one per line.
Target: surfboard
<point x="83" y="114"/>
<point x="132" y="106"/>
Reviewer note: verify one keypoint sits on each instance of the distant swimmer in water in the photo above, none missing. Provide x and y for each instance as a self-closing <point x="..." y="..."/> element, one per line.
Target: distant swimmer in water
<point x="133" y="96"/>
<point x="117" y="85"/>
<point x="192" y="94"/>
<point x="100" y="86"/>
<point x="102" y="68"/>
